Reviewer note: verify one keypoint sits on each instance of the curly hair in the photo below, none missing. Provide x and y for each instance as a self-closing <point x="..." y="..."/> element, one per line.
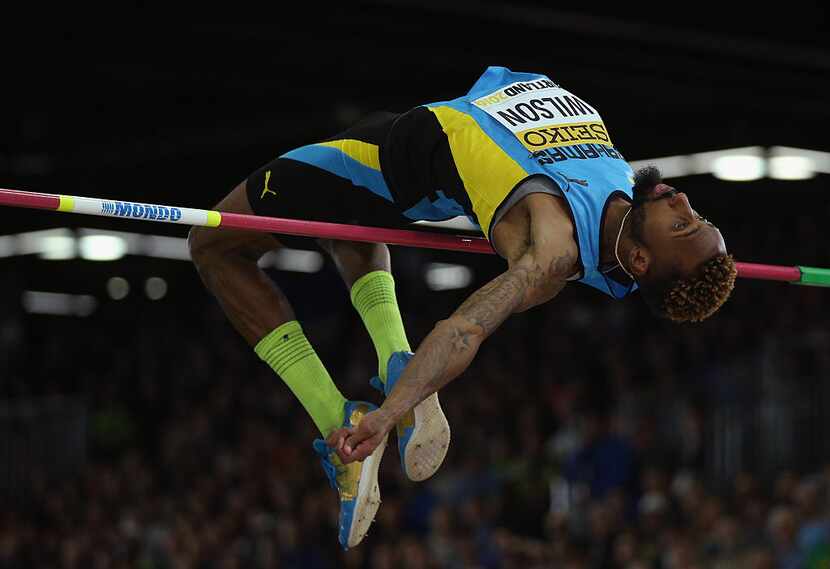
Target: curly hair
<point x="694" y="298"/>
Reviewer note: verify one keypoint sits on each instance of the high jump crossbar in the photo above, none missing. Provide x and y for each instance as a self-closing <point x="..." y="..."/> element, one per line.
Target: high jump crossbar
<point x="810" y="276"/>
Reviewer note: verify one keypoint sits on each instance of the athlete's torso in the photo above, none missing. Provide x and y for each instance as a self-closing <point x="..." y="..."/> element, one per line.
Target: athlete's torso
<point x="508" y="128"/>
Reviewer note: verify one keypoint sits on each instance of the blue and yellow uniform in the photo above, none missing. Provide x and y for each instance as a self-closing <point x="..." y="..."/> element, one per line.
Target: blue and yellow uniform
<point x="473" y="156"/>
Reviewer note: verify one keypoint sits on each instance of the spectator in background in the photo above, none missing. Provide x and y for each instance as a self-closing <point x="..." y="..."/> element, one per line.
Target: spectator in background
<point x="215" y="475"/>
<point x="783" y="528"/>
<point x="811" y="505"/>
<point x="606" y="461"/>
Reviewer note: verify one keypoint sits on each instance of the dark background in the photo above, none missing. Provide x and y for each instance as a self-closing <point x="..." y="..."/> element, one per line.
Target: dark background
<point x="148" y="434"/>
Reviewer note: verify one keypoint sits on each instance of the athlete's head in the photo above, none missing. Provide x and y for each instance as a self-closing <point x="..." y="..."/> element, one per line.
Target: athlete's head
<point x="678" y="258"/>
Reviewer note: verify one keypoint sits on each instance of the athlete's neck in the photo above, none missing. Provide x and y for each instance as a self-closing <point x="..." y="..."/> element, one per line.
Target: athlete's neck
<point x="614" y="216"/>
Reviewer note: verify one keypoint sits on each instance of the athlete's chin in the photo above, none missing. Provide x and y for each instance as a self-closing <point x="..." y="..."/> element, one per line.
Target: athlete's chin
<point x="642" y="196"/>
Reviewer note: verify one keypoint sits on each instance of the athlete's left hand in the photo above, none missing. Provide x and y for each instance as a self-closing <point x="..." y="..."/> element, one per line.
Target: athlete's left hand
<point x="356" y="443"/>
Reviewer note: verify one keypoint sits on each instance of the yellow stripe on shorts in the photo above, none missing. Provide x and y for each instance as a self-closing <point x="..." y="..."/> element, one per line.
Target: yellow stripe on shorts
<point x="364" y="152"/>
<point x="487" y="171"/>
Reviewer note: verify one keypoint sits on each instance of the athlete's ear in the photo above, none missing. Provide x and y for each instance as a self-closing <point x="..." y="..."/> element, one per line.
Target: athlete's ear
<point x="639" y="261"/>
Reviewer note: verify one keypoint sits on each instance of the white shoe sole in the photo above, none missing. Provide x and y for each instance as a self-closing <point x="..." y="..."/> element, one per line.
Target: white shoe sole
<point x="368" y="496"/>
<point x="429" y="442"/>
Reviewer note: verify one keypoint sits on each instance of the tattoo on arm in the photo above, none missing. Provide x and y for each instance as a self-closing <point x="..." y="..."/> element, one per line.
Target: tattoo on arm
<point x="520" y="287"/>
<point x="490" y="305"/>
<point x="450" y="348"/>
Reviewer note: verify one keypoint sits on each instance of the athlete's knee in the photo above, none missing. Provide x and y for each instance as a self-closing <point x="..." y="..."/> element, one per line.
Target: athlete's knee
<point x="204" y="252"/>
<point x="208" y="245"/>
<point x="218" y="256"/>
<point x="326" y="245"/>
<point x="353" y="260"/>
<point x="198" y="244"/>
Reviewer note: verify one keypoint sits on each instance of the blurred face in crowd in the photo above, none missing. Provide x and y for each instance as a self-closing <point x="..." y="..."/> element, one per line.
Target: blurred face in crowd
<point x="625" y="549"/>
<point x="808" y="499"/>
<point x="675" y="239"/>
<point x="782" y="527"/>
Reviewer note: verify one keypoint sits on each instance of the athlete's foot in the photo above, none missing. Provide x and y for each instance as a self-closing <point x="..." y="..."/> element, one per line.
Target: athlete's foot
<point x="356" y="483"/>
<point x="423" y="433"/>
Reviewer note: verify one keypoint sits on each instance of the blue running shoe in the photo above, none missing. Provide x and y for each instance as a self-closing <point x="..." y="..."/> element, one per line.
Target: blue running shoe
<point x="356" y="483"/>
<point x="424" y="433"/>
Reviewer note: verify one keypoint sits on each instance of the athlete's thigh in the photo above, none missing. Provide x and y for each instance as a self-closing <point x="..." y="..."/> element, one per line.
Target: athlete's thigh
<point x="297" y="190"/>
<point x="224" y="240"/>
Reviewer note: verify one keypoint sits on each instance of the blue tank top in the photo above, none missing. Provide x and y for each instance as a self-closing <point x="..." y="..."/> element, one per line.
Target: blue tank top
<point x="549" y="131"/>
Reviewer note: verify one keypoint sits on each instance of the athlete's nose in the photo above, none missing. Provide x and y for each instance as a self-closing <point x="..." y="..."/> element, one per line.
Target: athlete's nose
<point x="680" y="200"/>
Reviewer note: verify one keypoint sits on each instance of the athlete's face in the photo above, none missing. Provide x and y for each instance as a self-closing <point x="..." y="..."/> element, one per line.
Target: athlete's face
<point x="675" y="238"/>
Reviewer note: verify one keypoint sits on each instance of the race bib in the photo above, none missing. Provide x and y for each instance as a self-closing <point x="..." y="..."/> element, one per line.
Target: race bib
<point x="541" y="114"/>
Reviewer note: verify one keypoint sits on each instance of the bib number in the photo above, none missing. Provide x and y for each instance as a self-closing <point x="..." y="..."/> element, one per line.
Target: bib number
<point x="541" y="114"/>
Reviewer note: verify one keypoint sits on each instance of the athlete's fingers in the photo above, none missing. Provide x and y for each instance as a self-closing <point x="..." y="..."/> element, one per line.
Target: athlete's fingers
<point x="358" y="447"/>
<point x="364" y="449"/>
<point x="354" y="438"/>
<point x="337" y="439"/>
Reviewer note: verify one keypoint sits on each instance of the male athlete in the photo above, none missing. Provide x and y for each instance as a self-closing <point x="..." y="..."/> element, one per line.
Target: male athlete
<point x="529" y="162"/>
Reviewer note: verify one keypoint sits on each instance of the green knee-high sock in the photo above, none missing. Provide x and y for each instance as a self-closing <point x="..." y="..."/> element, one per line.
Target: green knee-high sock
<point x="373" y="296"/>
<point x="288" y="352"/>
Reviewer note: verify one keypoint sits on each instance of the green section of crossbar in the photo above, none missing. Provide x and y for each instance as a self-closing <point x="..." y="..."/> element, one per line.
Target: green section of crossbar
<point x="813" y="276"/>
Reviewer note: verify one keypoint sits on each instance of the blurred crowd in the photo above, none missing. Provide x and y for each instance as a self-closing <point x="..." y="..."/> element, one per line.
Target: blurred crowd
<point x="586" y="435"/>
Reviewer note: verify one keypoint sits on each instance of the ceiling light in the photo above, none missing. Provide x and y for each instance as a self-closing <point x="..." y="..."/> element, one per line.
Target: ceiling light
<point x="791" y="168"/>
<point x="56" y="247"/>
<point x="669" y="166"/>
<point x="820" y="160"/>
<point x="118" y="288"/>
<point x="8" y="246"/>
<point x="60" y="304"/>
<point x="155" y="288"/>
<point x="102" y="247"/>
<point x="739" y="168"/>
<point x="164" y="247"/>
<point x="297" y="260"/>
<point x="58" y="243"/>
<point x="445" y="276"/>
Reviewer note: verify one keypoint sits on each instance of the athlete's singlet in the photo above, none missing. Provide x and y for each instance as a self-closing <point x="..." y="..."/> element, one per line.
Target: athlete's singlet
<point x="511" y="126"/>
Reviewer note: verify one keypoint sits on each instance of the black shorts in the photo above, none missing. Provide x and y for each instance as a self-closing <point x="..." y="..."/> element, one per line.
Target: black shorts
<point x="302" y="184"/>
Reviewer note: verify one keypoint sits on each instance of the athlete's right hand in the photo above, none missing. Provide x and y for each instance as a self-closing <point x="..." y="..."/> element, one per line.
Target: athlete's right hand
<point x="356" y="443"/>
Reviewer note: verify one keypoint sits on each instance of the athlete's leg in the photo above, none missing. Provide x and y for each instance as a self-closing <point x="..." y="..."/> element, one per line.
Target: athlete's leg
<point x="257" y="308"/>
<point x="227" y="260"/>
<point x="227" y="263"/>
<point x="340" y="181"/>
<point x="423" y="434"/>
<point x="366" y="270"/>
<point x="354" y="259"/>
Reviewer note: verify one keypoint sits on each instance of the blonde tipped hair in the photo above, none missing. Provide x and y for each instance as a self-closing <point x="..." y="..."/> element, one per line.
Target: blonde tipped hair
<point x="696" y="298"/>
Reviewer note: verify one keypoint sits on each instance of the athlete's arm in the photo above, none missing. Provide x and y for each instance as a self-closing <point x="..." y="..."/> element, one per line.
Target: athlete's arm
<point x="537" y="271"/>
<point x="449" y="349"/>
